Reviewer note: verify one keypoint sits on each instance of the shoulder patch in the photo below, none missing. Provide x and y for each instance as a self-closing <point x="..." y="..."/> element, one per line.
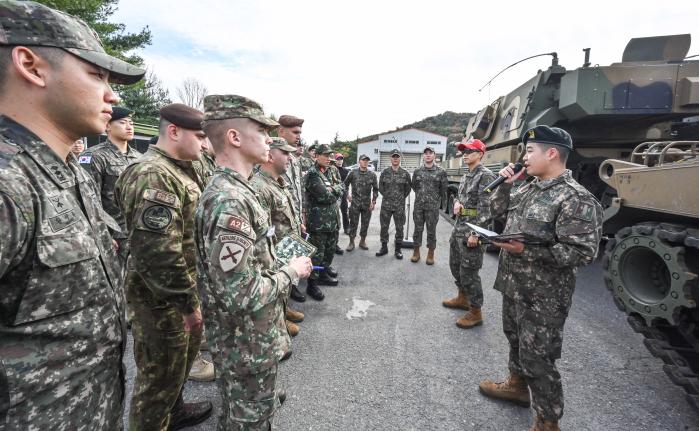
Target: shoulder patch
<point x="157" y="217"/>
<point x="161" y="196"/>
<point x="238" y="224"/>
<point x="232" y="250"/>
<point x="584" y="211"/>
<point x="85" y="159"/>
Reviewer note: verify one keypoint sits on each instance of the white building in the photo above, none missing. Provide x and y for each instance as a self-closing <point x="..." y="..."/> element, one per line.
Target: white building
<point x="410" y="142"/>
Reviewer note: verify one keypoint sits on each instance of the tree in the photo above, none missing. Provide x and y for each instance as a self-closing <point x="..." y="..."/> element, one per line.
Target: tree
<point x="192" y="92"/>
<point x="146" y="97"/>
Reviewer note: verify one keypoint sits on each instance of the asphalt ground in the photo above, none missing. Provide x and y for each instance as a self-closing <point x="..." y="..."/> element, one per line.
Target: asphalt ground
<point x="380" y="352"/>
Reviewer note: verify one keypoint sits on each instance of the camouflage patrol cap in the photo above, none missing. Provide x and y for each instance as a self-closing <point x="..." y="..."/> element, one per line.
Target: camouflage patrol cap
<point x="395" y="152"/>
<point x="222" y="107"/>
<point x="323" y="149"/>
<point x="312" y="147"/>
<point x="27" y="23"/>
<point x="364" y="157"/>
<point x="428" y="148"/>
<point x="281" y="144"/>
<point x="548" y="135"/>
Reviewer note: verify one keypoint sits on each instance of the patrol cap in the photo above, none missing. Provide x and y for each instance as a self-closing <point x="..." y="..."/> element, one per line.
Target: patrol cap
<point x="474" y="144"/>
<point x="323" y="149"/>
<point x="428" y="148"/>
<point x="281" y="144"/>
<point x="28" y="23"/>
<point x="395" y="152"/>
<point x="339" y="156"/>
<point x="119" y="112"/>
<point x="312" y="147"/>
<point x="548" y="135"/>
<point x="290" y="121"/>
<point x="364" y="157"/>
<point x="182" y="115"/>
<point x="223" y="107"/>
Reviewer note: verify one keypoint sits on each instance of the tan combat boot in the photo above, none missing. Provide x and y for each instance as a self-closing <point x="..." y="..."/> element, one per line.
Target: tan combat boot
<point x="202" y="370"/>
<point x="470" y="319"/>
<point x="293" y="315"/>
<point x="430" y="256"/>
<point x="362" y="243"/>
<point x="292" y="328"/>
<point x="543" y="425"/>
<point x="416" y="254"/>
<point x="350" y="246"/>
<point x="461" y="302"/>
<point x="514" y="390"/>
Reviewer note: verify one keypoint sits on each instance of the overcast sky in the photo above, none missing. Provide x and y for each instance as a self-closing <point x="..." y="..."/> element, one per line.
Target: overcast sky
<point x="367" y="66"/>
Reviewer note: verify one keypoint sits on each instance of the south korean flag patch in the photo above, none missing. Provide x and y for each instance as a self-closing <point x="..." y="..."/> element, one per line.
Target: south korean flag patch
<point x="231" y="251"/>
<point x="85" y="159"/>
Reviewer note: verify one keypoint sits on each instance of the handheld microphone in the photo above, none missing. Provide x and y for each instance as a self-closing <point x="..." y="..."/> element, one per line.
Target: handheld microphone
<point x="499" y="180"/>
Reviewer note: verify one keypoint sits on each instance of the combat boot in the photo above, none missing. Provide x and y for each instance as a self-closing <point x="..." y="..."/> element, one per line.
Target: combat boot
<point x="399" y="252"/>
<point x="514" y="390"/>
<point x="430" y="256"/>
<point x="470" y="319"/>
<point x="461" y="302"/>
<point x="331" y="272"/>
<point x="326" y="280"/>
<point x="350" y="246"/>
<point x="292" y="328"/>
<point x="383" y="251"/>
<point x="362" y="243"/>
<point x="314" y="291"/>
<point x="339" y="250"/>
<point x="416" y="254"/>
<point x="281" y="394"/>
<point x="293" y="315"/>
<point x="296" y="294"/>
<point x="540" y="424"/>
<point x="185" y="415"/>
<point x="202" y="370"/>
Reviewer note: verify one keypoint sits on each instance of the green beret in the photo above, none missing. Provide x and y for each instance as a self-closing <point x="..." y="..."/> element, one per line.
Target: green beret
<point x="182" y="115"/>
<point x="281" y="144"/>
<point x="222" y="107"/>
<point x="548" y="135"/>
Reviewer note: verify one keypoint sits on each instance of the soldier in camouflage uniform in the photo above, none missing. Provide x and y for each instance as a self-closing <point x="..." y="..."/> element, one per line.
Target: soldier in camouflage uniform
<point x="241" y="287"/>
<point x="158" y="195"/>
<point x="365" y="191"/>
<point x="62" y="332"/>
<point x="207" y="162"/>
<point x="323" y="219"/>
<point x="563" y="223"/>
<point x="106" y="161"/>
<point x="394" y="186"/>
<point x="308" y="160"/>
<point x="290" y="129"/>
<point x="276" y="199"/>
<point x="471" y="205"/>
<point x="430" y="184"/>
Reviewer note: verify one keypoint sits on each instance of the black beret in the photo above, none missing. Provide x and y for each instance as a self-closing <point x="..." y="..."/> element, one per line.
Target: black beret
<point x="290" y="121"/>
<point x="548" y="135"/>
<point x="182" y="115"/>
<point x="119" y="112"/>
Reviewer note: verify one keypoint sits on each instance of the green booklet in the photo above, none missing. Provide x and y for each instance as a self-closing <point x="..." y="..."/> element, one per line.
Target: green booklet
<point x="292" y="246"/>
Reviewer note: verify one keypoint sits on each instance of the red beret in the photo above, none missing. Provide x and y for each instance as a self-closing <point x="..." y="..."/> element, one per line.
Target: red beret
<point x="182" y="115"/>
<point x="290" y="121"/>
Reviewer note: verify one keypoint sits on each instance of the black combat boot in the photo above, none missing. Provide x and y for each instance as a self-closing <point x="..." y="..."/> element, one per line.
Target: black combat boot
<point x="314" y="291"/>
<point x="296" y="294"/>
<point x="281" y="394"/>
<point x="383" y="251"/>
<point x="326" y="280"/>
<point x="185" y="415"/>
<point x="331" y="271"/>
<point x="338" y="250"/>
<point x="398" y="253"/>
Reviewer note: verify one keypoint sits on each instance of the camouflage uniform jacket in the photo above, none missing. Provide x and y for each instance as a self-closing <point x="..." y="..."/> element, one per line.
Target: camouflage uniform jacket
<point x="294" y="182"/>
<point x="205" y="166"/>
<point x="242" y="292"/>
<point x="365" y="187"/>
<point x="568" y="220"/>
<point x="105" y="163"/>
<point x="430" y="184"/>
<point x="394" y="186"/>
<point x="274" y="197"/>
<point x="476" y="203"/>
<point x="158" y="195"/>
<point x="306" y="163"/>
<point x="61" y="329"/>
<point x="322" y="213"/>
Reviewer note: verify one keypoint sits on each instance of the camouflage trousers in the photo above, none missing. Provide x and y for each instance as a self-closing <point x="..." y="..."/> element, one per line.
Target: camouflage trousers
<point x="248" y="401"/>
<point x="325" y="242"/>
<point x="398" y="219"/>
<point x="355" y="212"/>
<point x="535" y="344"/>
<point x="164" y="353"/>
<point x="423" y="217"/>
<point x="465" y="262"/>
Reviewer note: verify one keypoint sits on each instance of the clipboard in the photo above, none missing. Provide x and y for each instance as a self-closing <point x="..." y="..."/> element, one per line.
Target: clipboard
<point x="292" y="246"/>
<point x="489" y="236"/>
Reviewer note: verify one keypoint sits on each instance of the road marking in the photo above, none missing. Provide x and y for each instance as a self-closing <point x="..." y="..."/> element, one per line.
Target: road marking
<point x="359" y="308"/>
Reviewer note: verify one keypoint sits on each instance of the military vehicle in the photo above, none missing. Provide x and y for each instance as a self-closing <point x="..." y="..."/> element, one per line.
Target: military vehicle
<point x="629" y="122"/>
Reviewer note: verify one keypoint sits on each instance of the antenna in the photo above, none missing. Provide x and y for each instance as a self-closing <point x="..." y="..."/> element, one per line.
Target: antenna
<point x="554" y="62"/>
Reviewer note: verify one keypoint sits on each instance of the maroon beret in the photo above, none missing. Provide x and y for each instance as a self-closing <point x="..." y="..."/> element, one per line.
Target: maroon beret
<point x="290" y="121"/>
<point x="182" y="115"/>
